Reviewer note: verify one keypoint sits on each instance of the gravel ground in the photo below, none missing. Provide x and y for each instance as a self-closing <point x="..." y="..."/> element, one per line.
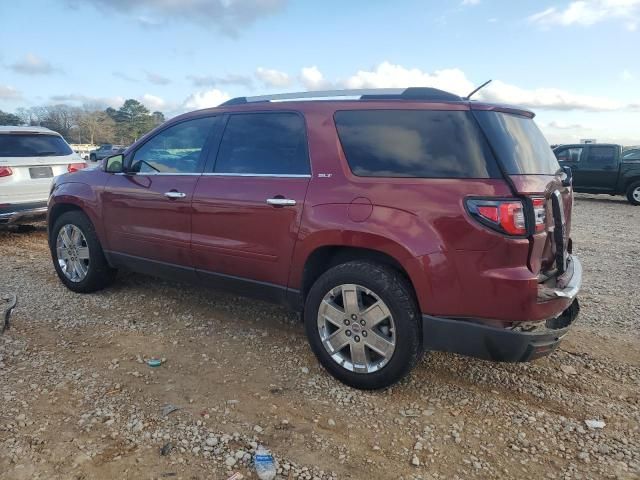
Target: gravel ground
<point x="79" y="402"/>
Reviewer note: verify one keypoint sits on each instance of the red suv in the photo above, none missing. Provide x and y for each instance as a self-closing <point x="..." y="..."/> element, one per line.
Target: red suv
<point x="397" y="222"/>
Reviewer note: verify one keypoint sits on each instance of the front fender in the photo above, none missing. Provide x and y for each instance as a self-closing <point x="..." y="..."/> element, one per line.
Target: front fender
<point x="81" y="196"/>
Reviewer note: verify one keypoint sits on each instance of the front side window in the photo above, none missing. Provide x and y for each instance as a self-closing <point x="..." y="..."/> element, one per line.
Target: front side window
<point x="264" y="144"/>
<point x="632" y="155"/>
<point x="33" y="145"/>
<point x="175" y="150"/>
<point x="414" y="143"/>
<point x="572" y="154"/>
<point x="602" y="156"/>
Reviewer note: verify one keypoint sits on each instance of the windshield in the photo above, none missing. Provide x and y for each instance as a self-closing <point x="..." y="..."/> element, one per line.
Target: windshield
<point x="518" y="142"/>
<point x="33" y="145"/>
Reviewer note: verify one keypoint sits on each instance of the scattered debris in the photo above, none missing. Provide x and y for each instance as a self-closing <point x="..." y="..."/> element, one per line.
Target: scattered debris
<point x="154" y="362"/>
<point x="166" y="449"/>
<point x="568" y="369"/>
<point x="9" y="301"/>
<point x="168" y="409"/>
<point x="595" y="424"/>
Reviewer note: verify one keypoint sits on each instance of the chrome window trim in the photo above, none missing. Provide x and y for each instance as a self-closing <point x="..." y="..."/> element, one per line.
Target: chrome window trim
<point x="276" y="175"/>
<point x="159" y="174"/>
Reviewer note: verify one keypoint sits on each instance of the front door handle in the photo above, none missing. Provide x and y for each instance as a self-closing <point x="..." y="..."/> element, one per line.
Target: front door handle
<point x="281" y="202"/>
<point x="173" y="195"/>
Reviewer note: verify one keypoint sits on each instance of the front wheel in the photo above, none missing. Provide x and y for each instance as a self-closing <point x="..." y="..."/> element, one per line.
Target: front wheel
<point x="633" y="193"/>
<point x="362" y="323"/>
<point x="77" y="254"/>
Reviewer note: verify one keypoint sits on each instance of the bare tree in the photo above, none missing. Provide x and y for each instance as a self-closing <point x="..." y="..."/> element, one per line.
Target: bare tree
<point x="97" y="126"/>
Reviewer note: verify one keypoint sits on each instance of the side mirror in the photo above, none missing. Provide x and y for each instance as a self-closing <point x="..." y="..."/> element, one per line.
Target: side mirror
<point x="114" y="164"/>
<point x="567" y="176"/>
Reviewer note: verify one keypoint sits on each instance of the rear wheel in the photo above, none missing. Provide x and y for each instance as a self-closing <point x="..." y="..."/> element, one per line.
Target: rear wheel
<point x="362" y="323"/>
<point x="77" y="254"/>
<point x="633" y="193"/>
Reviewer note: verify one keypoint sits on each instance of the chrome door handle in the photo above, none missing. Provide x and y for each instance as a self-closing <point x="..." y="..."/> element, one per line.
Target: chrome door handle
<point x="173" y="195"/>
<point x="281" y="202"/>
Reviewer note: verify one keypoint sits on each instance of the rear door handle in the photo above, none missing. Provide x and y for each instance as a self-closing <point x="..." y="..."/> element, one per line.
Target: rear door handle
<point x="173" y="195"/>
<point x="281" y="202"/>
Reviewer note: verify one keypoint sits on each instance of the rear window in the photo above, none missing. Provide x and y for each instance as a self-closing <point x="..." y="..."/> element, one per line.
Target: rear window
<point x="518" y="143"/>
<point x="32" y="145"/>
<point x="414" y="143"/>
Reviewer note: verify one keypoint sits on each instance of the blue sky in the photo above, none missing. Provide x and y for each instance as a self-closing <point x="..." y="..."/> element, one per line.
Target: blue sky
<point x="573" y="62"/>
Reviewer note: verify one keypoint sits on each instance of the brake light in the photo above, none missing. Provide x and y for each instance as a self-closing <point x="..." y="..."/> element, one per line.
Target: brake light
<point x="74" y="167"/>
<point x="6" y="172"/>
<point x="506" y="216"/>
<point x="540" y="214"/>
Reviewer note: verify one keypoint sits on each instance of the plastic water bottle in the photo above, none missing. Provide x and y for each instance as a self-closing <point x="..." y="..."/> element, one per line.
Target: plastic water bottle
<point x="265" y="466"/>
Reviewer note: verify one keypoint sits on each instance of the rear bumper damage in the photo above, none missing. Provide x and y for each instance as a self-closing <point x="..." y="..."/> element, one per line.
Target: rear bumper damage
<point x="521" y="343"/>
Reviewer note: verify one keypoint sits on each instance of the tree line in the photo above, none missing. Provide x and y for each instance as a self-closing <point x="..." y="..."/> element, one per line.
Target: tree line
<point x="89" y="123"/>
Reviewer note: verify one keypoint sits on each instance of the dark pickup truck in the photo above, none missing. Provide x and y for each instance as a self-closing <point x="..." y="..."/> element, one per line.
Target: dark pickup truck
<point x="602" y="168"/>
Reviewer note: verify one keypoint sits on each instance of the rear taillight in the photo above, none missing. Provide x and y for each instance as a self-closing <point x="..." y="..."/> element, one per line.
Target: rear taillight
<point x="505" y="216"/>
<point x="6" y="172"/>
<point x="540" y="214"/>
<point x="74" y="167"/>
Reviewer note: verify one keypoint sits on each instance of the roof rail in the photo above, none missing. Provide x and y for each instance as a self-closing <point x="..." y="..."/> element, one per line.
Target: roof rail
<point x="412" y="93"/>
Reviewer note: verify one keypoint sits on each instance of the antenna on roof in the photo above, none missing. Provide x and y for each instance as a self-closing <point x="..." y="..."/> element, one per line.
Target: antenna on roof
<point x="468" y="97"/>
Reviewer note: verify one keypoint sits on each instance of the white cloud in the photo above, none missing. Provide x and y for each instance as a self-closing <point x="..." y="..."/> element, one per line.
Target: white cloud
<point x="469" y="2"/>
<point x="626" y="75"/>
<point x="157" y="79"/>
<point x="31" y="64"/>
<point x="153" y="102"/>
<point x="454" y="80"/>
<point x="590" y="12"/>
<point x="546" y="98"/>
<point x="206" y="99"/>
<point x="229" y="16"/>
<point x="212" y="80"/>
<point x="388" y="75"/>
<point x="273" y="78"/>
<point x="114" y="102"/>
<point x="313" y="79"/>
<point x="7" y="92"/>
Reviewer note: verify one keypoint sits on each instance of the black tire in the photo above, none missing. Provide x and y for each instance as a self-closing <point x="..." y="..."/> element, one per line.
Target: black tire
<point x="100" y="274"/>
<point x="632" y="188"/>
<point x="396" y="293"/>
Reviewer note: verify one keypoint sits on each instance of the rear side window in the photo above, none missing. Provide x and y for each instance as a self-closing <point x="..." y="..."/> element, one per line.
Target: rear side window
<point x="32" y="145"/>
<point x="518" y="143"/>
<point x="264" y="144"/>
<point x="602" y="156"/>
<point x="414" y="143"/>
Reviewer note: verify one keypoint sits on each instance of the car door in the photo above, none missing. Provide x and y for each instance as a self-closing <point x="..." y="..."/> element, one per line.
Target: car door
<point x="147" y="210"/>
<point x="248" y="205"/>
<point x="572" y="156"/>
<point x="600" y="168"/>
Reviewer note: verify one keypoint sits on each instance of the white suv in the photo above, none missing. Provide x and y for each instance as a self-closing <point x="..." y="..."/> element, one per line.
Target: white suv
<point x="29" y="158"/>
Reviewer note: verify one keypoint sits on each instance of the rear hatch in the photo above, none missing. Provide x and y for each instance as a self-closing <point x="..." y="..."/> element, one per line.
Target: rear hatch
<point x="29" y="161"/>
<point x="535" y="176"/>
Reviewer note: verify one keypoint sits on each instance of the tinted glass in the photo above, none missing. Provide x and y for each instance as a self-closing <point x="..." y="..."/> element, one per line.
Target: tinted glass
<point x="176" y="149"/>
<point x="632" y="155"/>
<point x="518" y="143"/>
<point x="601" y="156"/>
<point x="32" y="145"/>
<point x="573" y="154"/>
<point x="414" y="143"/>
<point x="264" y="143"/>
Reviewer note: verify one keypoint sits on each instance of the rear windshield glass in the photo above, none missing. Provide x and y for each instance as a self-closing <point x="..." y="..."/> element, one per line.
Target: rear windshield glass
<point x="518" y="143"/>
<point x="414" y="143"/>
<point x="32" y="145"/>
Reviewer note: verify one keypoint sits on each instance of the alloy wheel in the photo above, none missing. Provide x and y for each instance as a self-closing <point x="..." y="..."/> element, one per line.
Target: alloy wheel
<point x="72" y="253"/>
<point x="356" y="328"/>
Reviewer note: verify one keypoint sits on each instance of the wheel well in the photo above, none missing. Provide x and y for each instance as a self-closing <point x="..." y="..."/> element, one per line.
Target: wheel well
<point x="58" y="209"/>
<point x="631" y="182"/>
<point x="324" y="258"/>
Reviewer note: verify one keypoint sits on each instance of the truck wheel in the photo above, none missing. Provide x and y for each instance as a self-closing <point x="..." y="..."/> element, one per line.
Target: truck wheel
<point x="77" y="254"/>
<point x="361" y="320"/>
<point x="633" y="193"/>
